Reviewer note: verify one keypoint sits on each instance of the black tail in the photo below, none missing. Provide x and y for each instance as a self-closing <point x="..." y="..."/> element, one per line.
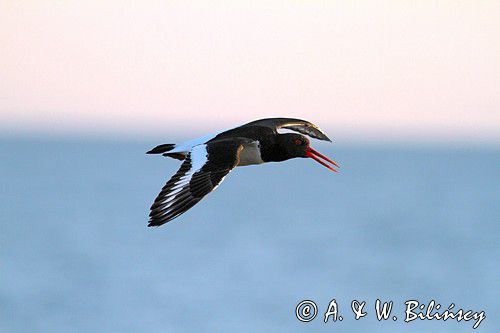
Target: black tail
<point x="161" y="148"/>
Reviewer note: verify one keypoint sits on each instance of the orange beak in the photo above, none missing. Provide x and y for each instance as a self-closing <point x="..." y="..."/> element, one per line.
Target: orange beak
<point x="315" y="155"/>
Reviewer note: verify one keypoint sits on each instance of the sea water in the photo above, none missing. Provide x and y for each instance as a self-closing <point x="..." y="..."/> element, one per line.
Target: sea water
<point x="397" y="224"/>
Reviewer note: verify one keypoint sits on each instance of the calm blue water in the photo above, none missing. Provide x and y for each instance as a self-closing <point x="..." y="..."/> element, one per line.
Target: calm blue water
<point x="397" y="224"/>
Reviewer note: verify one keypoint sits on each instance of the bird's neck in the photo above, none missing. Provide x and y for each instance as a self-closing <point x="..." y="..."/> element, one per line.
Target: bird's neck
<point x="271" y="150"/>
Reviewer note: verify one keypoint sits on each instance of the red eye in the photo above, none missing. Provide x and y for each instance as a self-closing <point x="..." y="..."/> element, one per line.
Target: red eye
<point x="298" y="142"/>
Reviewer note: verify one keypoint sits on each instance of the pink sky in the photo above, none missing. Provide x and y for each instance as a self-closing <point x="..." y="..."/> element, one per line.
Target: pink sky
<point x="419" y="70"/>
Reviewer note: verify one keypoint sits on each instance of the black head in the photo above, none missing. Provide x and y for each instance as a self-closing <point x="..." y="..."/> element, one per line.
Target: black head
<point x="291" y="145"/>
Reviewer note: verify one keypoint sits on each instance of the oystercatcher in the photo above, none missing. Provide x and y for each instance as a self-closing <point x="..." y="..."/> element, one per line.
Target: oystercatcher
<point x="207" y="160"/>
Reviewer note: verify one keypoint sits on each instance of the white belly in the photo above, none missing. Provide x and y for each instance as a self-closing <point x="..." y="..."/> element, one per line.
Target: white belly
<point x="250" y="154"/>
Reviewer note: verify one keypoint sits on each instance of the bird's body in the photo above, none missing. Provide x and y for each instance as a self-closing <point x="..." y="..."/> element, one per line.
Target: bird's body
<point x="207" y="160"/>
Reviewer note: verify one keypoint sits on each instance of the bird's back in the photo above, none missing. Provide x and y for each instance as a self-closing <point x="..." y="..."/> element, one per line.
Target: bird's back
<point x="259" y="133"/>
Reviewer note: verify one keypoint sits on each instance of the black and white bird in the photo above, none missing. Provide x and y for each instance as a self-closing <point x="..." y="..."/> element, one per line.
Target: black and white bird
<point x="207" y="160"/>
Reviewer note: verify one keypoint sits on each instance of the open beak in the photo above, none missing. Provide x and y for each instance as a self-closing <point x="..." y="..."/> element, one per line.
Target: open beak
<point x="311" y="153"/>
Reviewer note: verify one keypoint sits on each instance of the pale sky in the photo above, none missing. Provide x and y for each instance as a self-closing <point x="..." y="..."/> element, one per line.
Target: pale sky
<point x="419" y="70"/>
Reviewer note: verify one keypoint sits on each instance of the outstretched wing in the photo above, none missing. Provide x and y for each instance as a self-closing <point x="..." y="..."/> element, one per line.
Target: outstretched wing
<point x="298" y="125"/>
<point x="201" y="172"/>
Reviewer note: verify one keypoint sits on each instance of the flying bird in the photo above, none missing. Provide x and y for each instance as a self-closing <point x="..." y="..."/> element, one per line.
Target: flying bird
<point x="207" y="160"/>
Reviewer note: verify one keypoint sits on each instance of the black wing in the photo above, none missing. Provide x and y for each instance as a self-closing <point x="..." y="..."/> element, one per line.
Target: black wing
<point x="201" y="172"/>
<point x="298" y="125"/>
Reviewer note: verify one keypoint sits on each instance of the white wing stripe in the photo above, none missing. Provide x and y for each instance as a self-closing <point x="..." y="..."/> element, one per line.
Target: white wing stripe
<point x="199" y="156"/>
<point x="185" y="147"/>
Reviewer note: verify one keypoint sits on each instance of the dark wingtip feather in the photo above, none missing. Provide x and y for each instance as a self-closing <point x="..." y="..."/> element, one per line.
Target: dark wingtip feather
<point x="161" y="148"/>
<point x="322" y="136"/>
<point x="155" y="222"/>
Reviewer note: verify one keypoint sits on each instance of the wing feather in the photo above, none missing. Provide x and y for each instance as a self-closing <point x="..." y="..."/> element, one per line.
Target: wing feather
<point x="201" y="172"/>
<point x="297" y="125"/>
